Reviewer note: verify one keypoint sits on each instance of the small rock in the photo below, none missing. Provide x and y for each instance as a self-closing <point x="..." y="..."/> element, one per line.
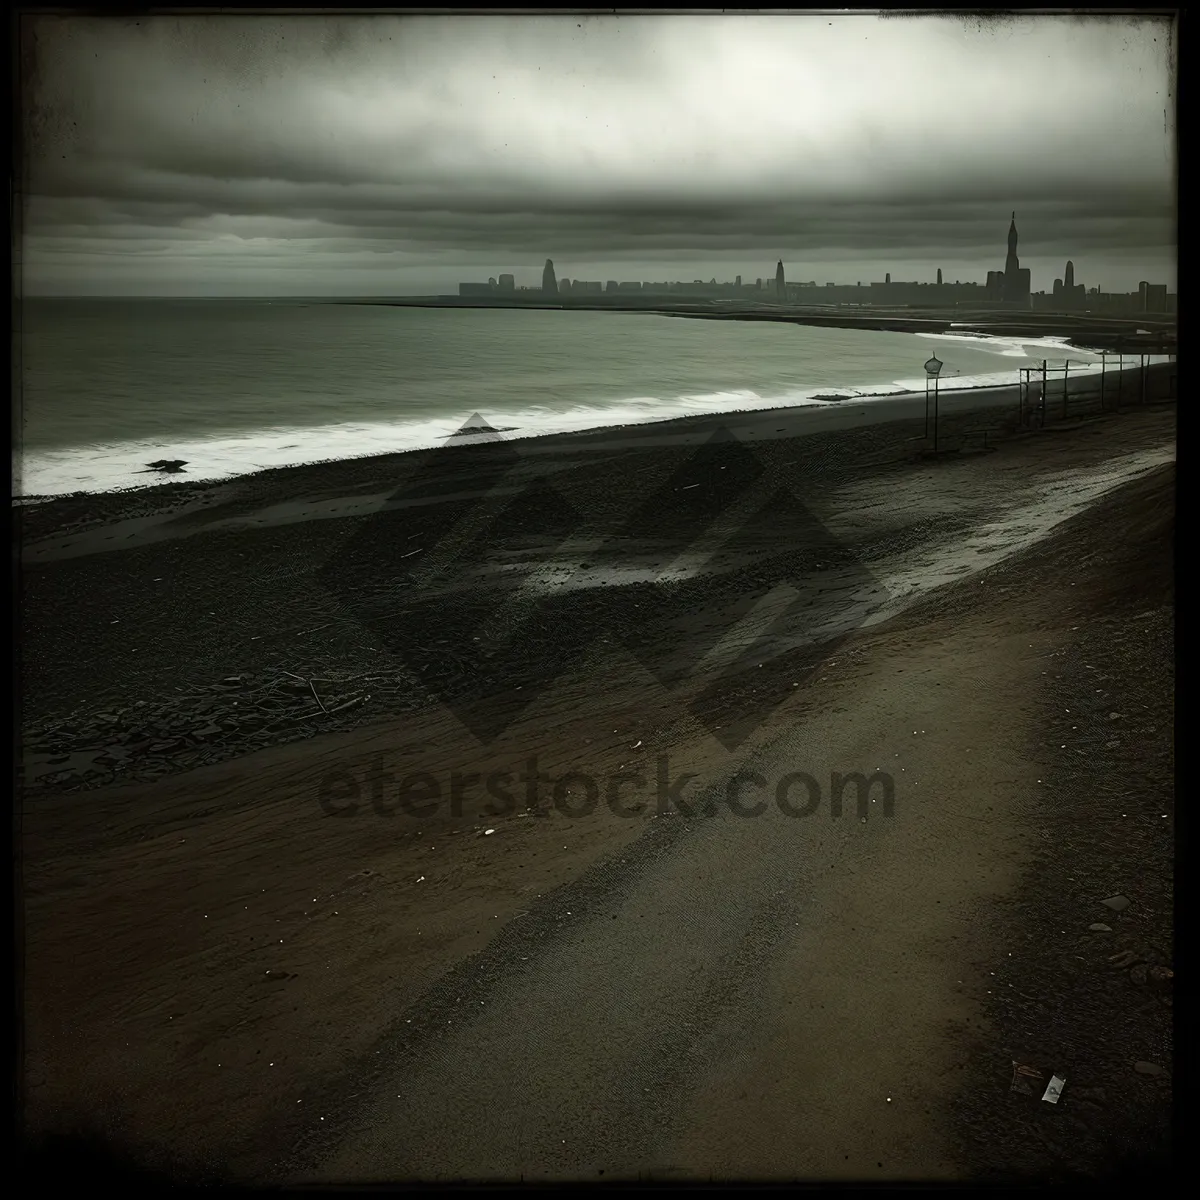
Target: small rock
<point x="1116" y="903"/>
<point x="1100" y="927"/>
<point x="1147" y="1068"/>
<point x="1160" y="977"/>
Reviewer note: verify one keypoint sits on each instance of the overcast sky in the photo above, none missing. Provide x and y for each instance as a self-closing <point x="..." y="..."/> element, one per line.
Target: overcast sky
<point x="313" y="155"/>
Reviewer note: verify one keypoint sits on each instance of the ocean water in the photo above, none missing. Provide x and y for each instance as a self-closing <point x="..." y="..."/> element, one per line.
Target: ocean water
<point x="233" y="386"/>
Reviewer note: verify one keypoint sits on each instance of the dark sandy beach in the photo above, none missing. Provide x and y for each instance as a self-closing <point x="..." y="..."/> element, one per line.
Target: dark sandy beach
<point x="242" y="945"/>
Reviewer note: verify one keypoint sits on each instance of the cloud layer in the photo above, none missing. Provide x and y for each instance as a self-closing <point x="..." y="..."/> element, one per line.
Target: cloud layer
<point x="325" y="154"/>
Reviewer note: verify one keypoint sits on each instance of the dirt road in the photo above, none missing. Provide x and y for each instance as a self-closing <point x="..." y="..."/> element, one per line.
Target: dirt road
<point x="771" y="996"/>
<point x="749" y="996"/>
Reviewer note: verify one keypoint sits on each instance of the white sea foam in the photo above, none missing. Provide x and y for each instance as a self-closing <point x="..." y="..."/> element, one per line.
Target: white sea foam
<point x="113" y="466"/>
<point x="1017" y="347"/>
<point x="116" y="465"/>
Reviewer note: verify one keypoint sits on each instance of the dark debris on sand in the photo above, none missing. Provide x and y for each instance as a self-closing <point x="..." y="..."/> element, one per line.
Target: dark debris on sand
<point x="1093" y="1005"/>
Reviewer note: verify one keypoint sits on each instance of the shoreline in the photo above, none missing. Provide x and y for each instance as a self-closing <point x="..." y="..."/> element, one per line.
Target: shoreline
<point x="167" y="633"/>
<point x="984" y="396"/>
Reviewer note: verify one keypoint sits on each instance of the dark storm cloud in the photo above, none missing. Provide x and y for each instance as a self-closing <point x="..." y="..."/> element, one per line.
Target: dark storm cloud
<point x="464" y="140"/>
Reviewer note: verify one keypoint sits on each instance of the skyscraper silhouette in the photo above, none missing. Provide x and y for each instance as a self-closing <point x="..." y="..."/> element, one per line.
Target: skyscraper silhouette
<point x="549" y="282"/>
<point x="780" y="287"/>
<point x="1012" y="264"/>
<point x="939" y="276"/>
<point x="1015" y="280"/>
<point x="1069" y="277"/>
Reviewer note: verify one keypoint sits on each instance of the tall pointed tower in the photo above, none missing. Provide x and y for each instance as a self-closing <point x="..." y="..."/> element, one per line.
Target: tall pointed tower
<point x="780" y="285"/>
<point x="549" y="283"/>
<point x="1012" y="264"/>
<point x="1016" y="280"/>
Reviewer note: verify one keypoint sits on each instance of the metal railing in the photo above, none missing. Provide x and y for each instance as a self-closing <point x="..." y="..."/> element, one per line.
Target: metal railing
<point x="1050" y="393"/>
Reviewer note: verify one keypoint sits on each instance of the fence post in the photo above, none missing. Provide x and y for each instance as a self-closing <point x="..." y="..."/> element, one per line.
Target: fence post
<point x="1103" y="360"/>
<point x="1042" y="403"/>
<point x="1066" y="402"/>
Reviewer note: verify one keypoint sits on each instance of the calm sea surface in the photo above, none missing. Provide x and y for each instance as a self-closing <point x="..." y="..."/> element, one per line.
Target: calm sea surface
<point x="234" y="385"/>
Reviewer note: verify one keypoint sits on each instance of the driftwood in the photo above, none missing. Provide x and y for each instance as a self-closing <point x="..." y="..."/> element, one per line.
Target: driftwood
<point x="311" y="687"/>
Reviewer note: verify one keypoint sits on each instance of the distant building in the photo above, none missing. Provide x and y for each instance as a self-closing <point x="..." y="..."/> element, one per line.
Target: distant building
<point x="507" y="284"/>
<point x="549" y="283"/>
<point x="475" y="289"/>
<point x="780" y="284"/>
<point x="1152" y="297"/>
<point x="629" y="287"/>
<point x="1016" y="279"/>
<point x="887" y="277"/>
<point x="1067" y="293"/>
<point x="611" y="287"/>
<point x="1012" y="285"/>
<point x="939" y="276"/>
<point x="564" y="285"/>
<point x="1075" y="294"/>
<point x="585" y="287"/>
<point x="492" y="282"/>
<point x="738" y="282"/>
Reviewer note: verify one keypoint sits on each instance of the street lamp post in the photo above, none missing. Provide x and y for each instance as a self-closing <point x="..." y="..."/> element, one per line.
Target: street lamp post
<point x="932" y="370"/>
